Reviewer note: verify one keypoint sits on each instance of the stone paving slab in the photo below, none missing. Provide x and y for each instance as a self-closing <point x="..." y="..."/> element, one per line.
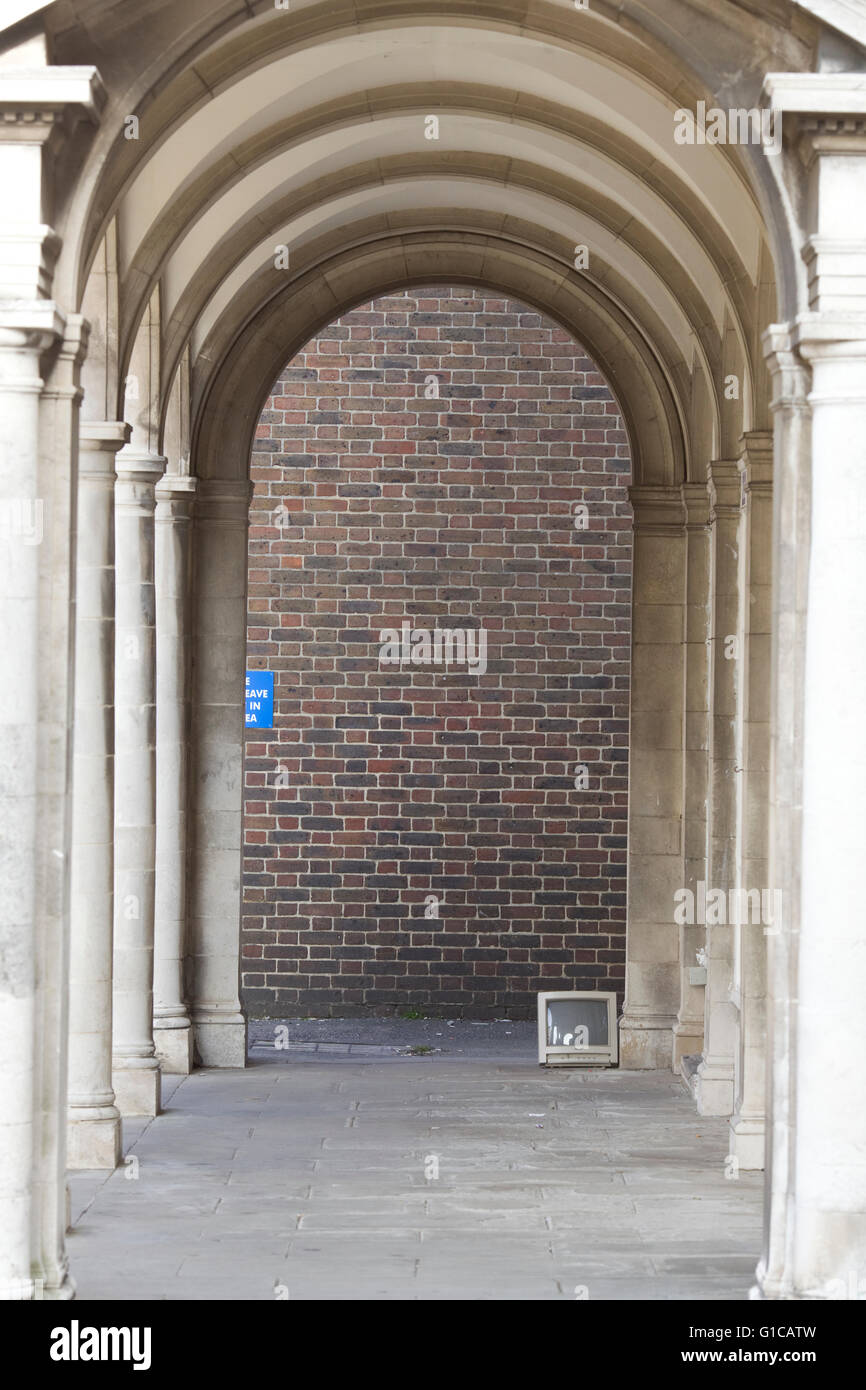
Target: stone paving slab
<point x="311" y="1173"/>
<point x="456" y="1038"/>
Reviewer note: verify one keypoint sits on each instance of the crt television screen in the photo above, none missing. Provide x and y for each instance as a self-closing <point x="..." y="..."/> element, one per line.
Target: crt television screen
<point x="577" y="1023"/>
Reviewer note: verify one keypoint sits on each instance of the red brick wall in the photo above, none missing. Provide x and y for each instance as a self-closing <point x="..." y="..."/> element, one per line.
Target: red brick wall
<point x="378" y="787"/>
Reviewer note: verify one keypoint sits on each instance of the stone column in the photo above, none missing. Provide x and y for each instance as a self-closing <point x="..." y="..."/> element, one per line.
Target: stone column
<point x="714" y="1082"/>
<point x="792" y="468"/>
<point x="94" y="1132"/>
<point x="21" y="533"/>
<point x="829" y="1237"/>
<point x="58" y="467"/>
<point x="750" y="977"/>
<point x="38" y="107"/>
<point x="816" y="1246"/>
<point x="172" y="1028"/>
<point x="219" y="625"/>
<point x="655" y="849"/>
<point x="136" y="1070"/>
<point x="689" y="1028"/>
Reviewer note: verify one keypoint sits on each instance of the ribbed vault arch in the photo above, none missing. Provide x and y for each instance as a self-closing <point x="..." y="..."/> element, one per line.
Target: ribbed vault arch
<point x="227" y="401"/>
<point x="647" y="268"/>
<point x="305" y="128"/>
<point x="212" y="48"/>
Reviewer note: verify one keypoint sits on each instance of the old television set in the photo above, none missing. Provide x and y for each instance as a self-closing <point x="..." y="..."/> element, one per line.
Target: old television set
<point x="577" y="1029"/>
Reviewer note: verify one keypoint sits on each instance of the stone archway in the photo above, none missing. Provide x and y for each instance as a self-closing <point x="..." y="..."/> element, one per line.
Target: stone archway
<point x="437" y="835"/>
<point x="150" y="202"/>
<point x="656" y="987"/>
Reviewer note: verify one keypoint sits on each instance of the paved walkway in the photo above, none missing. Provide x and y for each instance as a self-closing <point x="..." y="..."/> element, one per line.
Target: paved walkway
<point x="312" y="1175"/>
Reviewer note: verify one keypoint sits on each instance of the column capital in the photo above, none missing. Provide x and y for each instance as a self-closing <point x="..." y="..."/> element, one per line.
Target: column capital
<point x="175" y="495"/>
<point x="138" y="466"/>
<point x="696" y="500"/>
<point x="826" y="105"/>
<point x="76" y="339"/>
<point x="789" y="372"/>
<point x="829" y="335"/>
<point x="832" y="133"/>
<point x="138" y="472"/>
<point x="223" y="501"/>
<point x="756" y="463"/>
<point x="98" y="442"/>
<point x="176" y="485"/>
<point x="835" y="348"/>
<point x="105" y="435"/>
<point x="63" y="376"/>
<point x="723" y="483"/>
<point x="657" y="510"/>
<point x="30" y="326"/>
<point x="37" y="103"/>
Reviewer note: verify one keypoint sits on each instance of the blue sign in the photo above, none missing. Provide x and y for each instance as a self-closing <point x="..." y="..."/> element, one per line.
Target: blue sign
<point x="260" y="699"/>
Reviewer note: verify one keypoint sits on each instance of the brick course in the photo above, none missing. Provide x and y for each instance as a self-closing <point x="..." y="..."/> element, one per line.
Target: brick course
<point x="377" y="503"/>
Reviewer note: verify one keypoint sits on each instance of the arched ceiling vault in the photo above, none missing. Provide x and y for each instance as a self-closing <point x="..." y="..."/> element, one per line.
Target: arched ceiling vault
<point x="227" y="401"/>
<point x="260" y="127"/>
<point x="630" y="278"/>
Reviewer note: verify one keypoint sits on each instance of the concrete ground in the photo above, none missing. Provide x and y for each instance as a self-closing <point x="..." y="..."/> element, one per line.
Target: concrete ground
<point x="342" y="1166"/>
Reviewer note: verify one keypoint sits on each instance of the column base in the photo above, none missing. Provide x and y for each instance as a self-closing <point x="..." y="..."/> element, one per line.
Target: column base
<point x="174" y="1049"/>
<point x="747" y="1143"/>
<point x="838" y="1290"/>
<point x="61" y="1293"/>
<point x="645" y="1044"/>
<point x="137" y="1090"/>
<point x="714" y="1090"/>
<point x="221" y="1044"/>
<point x="34" y="1290"/>
<point x="93" y="1143"/>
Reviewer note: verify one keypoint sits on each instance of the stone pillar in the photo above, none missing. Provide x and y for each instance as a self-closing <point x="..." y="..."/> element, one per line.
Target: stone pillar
<point x="655" y="849"/>
<point x="136" y="1070"/>
<point x="172" y="1028"/>
<point x="21" y="533"/>
<point x="38" y="107"/>
<point x="829" y="1237"/>
<point x="714" y="1082"/>
<point x="816" y="1247"/>
<point x="94" y="1132"/>
<point x="750" y="976"/>
<point x="791" y="511"/>
<point x="58" y="466"/>
<point x="219" y="626"/>
<point x="689" y="1028"/>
